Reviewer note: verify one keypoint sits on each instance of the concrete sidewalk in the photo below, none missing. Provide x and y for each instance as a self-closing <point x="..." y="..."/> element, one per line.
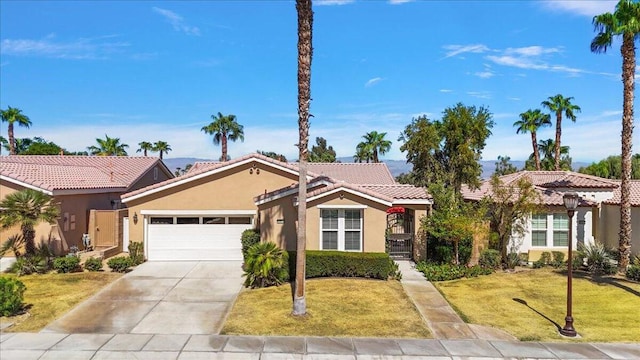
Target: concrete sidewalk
<point x="144" y="346"/>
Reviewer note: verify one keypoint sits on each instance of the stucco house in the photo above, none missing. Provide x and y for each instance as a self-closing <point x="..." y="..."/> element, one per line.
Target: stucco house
<point x="549" y="230"/>
<point x="78" y="184"/>
<point x="610" y="219"/>
<point x="201" y="215"/>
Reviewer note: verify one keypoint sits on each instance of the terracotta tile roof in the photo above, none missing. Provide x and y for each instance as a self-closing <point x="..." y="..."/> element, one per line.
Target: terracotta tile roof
<point x="354" y="173"/>
<point x="399" y="191"/>
<point x="55" y="172"/>
<point x="634" y="198"/>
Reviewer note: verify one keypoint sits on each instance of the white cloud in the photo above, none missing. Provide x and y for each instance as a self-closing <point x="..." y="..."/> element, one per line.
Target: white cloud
<point x="398" y="2"/>
<point x="373" y="81"/>
<point x="480" y="94"/>
<point x="484" y="74"/>
<point x="514" y="98"/>
<point x="608" y="113"/>
<point x="332" y="2"/>
<point x="455" y="50"/>
<point x="446" y="90"/>
<point x="532" y="51"/>
<point x="83" y="48"/>
<point x="177" y="21"/>
<point x="588" y="8"/>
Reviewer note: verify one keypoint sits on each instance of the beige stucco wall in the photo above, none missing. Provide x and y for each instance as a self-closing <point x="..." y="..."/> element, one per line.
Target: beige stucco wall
<point x="609" y="227"/>
<point x="233" y="189"/>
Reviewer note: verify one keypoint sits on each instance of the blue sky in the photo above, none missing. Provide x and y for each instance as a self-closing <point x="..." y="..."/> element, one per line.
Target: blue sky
<point x="145" y="70"/>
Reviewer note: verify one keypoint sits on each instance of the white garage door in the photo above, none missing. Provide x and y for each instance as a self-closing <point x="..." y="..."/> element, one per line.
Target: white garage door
<point x="196" y="237"/>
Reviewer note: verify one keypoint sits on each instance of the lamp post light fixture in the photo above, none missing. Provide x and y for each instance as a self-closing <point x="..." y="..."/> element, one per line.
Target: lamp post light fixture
<point x="570" y="200"/>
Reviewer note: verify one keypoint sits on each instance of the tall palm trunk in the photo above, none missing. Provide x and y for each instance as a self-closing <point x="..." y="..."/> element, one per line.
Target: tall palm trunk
<point x="305" y="49"/>
<point x="558" y="136"/>
<point x="536" y="153"/>
<point x="29" y="235"/>
<point x="628" y="51"/>
<point x="12" y="140"/>
<point x="224" y="147"/>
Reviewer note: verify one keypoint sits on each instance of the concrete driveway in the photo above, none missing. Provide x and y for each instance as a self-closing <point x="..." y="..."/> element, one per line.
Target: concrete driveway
<point x="159" y="298"/>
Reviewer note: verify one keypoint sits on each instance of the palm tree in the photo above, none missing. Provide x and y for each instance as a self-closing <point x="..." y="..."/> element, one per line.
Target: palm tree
<point x="14" y="116"/>
<point x="28" y="208"/>
<point x="145" y="146"/>
<point x="374" y="143"/>
<point x="305" y="52"/>
<point x="108" y="147"/>
<point x="559" y="104"/>
<point x="161" y="147"/>
<point x="224" y="128"/>
<point x="625" y="22"/>
<point x="363" y="154"/>
<point x="547" y="148"/>
<point x="530" y="121"/>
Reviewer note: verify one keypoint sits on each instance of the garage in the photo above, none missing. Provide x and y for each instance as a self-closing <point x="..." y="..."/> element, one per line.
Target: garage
<point x="196" y="236"/>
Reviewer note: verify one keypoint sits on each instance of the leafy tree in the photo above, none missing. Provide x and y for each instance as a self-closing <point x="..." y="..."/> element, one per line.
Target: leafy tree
<point x="13" y="116"/>
<point x="320" y="153"/>
<point x="362" y="154"/>
<point x="547" y="163"/>
<point x="40" y="146"/>
<point x="273" y="155"/>
<point x="504" y="166"/>
<point x="145" y="147"/>
<point x="224" y="128"/>
<point x="507" y="207"/>
<point x="611" y="168"/>
<point x="161" y="147"/>
<point x="624" y="22"/>
<point x="305" y="52"/>
<point x="20" y="145"/>
<point x="530" y="121"/>
<point x="448" y="151"/>
<point x="27" y="208"/>
<point x="108" y="147"/>
<point x="558" y="105"/>
<point x="374" y="143"/>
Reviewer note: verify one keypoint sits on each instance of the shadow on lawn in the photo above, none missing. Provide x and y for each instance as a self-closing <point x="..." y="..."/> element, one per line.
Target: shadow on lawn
<point x="520" y="301"/>
<point x="619" y="283"/>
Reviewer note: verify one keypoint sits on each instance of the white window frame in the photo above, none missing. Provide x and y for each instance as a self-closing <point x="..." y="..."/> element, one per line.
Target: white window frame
<point x="341" y="228"/>
<point x="554" y="230"/>
<point x="546" y="231"/>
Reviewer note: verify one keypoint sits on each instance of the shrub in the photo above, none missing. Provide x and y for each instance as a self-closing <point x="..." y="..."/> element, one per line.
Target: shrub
<point x="136" y="252"/>
<point x="265" y="265"/>
<point x="249" y="238"/>
<point x="633" y="272"/>
<point x="93" y="264"/>
<point x="545" y="259"/>
<point x="27" y="265"/>
<point x="67" y="264"/>
<point x="444" y="272"/>
<point x="321" y="263"/>
<point x="513" y="260"/>
<point x="11" y="296"/>
<point x="489" y="258"/>
<point x="119" y="264"/>
<point x="597" y="259"/>
<point x="558" y="259"/>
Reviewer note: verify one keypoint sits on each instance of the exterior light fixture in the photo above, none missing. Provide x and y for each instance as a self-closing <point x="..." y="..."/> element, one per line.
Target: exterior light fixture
<point x="570" y="200"/>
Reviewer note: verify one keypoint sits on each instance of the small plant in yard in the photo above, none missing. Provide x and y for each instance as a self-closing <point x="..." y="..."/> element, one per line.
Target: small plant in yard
<point x="597" y="258"/>
<point x="11" y="296"/>
<point x="633" y="271"/>
<point x="67" y="264"/>
<point x="249" y="238"/>
<point x="93" y="264"/>
<point x="558" y="259"/>
<point x="545" y="259"/>
<point x="444" y="272"/>
<point x="136" y="252"/>
<point x="489" y="258"/>
<point x="119" y="264"/>
<point x="27" y="265"/>
<point x="265" y="265"/>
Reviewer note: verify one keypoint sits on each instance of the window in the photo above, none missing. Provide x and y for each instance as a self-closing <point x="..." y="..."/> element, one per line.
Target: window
<point x="539" y="230"/>
<point x="161" y="220"/>
<point x="188" y="220"/>
<point x="213" y="220"/>
<point x="155" y="173"/>
<point x="560" y="229"/>
<point x="240" y="220"/>
<point x="341" y="229"/>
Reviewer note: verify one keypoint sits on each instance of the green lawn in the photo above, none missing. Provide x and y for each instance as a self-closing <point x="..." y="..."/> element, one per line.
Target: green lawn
<point x="527" y="303"/>
<point x="336" y="307"/>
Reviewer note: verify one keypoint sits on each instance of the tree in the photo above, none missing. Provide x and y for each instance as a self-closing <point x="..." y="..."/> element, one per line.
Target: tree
<point x="273" y="155"/>
<point x="530" y="121"/>
<point x="374" y="143"/>
<point x="28" y="208"/>
<point x="108" y="147"/>
<point x="558" y="105"/>
<point x="305" y="53"/>
<point x="624" y="22"/>
<point x="611" y="168"/>
<point x="504" y="166"/>
<point x="224" y="128"/>
<point x="320" y="153"/>
<point x="145" y="147"/>
<point x="20" y="145"/>
<point x="547" y="149"/>
<point x="13" y="116"/>
<point x="39" y="146"/>
<point x="448" y="151"/>
<point x="508" y="206"/>
<point x="362" y="154"/>
<point x="161" y="147"/>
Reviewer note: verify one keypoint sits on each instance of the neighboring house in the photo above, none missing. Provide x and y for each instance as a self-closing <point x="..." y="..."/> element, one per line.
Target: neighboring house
<point x="549" y="230"/>
<point x="201" y="215"/>
<point x="78" y="184"/>
<point x="610" y="219"/>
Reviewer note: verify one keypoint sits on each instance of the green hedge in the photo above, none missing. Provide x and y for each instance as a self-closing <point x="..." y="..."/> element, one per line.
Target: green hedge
<point x="346" y="264"/>
<point x="444" y="272"/>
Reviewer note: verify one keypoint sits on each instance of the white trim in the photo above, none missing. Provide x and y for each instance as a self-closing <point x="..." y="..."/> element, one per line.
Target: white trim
<point x="322" y="206"/>
<point x="412" y="202"/>
<point x="291" y="192"/>
<point x="24" y="184"/>
<point x="197" y="212"/>
<point x="341" y="230"/>
<point x="209" y="173"/>
<point x="357" y="193"/>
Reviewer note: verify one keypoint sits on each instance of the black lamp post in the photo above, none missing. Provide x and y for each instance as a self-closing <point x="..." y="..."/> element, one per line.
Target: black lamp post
<point x="570" y="200"/>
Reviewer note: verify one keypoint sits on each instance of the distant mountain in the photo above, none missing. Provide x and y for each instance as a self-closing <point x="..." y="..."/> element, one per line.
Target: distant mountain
<point x="174" y="163"/>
